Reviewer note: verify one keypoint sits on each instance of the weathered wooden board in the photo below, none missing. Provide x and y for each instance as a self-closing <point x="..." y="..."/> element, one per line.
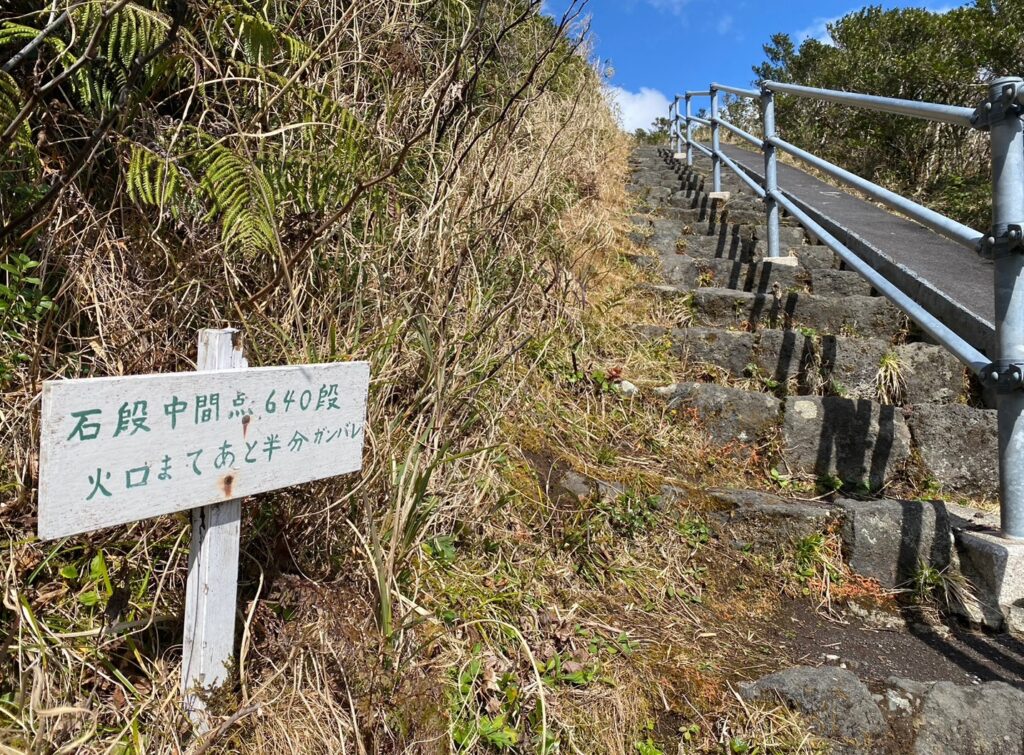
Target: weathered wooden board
<point x="116" y="450"/>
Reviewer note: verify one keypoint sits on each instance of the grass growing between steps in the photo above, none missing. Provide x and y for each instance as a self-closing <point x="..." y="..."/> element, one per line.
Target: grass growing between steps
<point x="599" y="604"/>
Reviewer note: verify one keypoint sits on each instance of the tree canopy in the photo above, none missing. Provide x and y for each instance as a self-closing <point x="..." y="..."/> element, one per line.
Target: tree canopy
<point x="909" y="53"/>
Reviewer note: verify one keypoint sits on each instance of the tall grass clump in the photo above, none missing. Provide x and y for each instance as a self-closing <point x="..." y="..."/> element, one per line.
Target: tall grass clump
<point x="421" y="185"/>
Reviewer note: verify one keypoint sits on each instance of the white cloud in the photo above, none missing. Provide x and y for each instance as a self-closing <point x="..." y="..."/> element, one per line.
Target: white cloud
<point x="818" y="28"/>
<point x="639" y="109"/>
<point x="725" y="24"/>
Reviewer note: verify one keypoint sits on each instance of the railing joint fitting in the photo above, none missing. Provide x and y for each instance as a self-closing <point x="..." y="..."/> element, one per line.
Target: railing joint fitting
<point x="1010" y="379"/>
<point x="999" y="245"/>
<point x="1009" y="103"/>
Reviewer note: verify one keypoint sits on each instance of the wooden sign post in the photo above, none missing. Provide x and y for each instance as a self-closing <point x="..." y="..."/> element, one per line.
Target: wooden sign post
<point x="121" y="449"/>
<point x="211" y="591"/>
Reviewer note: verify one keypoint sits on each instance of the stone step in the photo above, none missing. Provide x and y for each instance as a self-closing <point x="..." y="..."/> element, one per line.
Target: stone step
<point x="795" y="362"/>
<point x="656" y="179"/>
<point x="719" y="247"/>
<point x="830" y="282"/>
<point x="789" y="235"/>
<point x="689" y="273"/>
<point x="958" y="447"/>
<point x="741" y="213"/>
<point x="859" y="442"/>
<point x="870" y="316"/>
<point x="761" y="276"/>
<point x="750" y="250"/>
<point x="727" y="414"/>
<point x="862" y="444"/>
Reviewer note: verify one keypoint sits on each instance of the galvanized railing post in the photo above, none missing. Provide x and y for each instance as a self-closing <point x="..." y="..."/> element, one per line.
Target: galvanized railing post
<point x="689" y="133"/>
<point x="1007" y="134"/>
<point x="771" y="175"/>
<point x="716" y="161"/>
<point x="676" y="141"/>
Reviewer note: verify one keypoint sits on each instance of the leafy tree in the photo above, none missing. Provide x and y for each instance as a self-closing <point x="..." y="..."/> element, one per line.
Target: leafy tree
<point x="657" y="134"/>
<point x="908" y="53"/>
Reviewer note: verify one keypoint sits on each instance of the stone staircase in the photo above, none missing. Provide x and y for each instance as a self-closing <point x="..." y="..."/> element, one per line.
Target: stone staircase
<point x="798" y="352"/>
<point x="799" y="359"/>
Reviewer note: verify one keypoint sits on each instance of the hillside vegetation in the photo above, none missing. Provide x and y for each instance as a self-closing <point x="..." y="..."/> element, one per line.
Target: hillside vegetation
<point x="911" y="53"/>
<point x="529" y="560"/>
<point x="422" y="185"/>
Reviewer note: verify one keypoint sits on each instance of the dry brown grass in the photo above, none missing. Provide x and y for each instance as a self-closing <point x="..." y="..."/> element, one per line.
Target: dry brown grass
<point x="409" y="608"/>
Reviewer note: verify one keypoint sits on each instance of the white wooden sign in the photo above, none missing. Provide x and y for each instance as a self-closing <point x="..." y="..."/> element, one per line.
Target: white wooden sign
<point x="115" y="450"/>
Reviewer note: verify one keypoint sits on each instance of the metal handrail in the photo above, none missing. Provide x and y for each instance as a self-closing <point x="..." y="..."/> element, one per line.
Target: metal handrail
<point x="756" y="141"/>
<point x="1001" y="116"/>
<point x="938" y="222"/>
<point x="929" y="111"/>
<point x="746" y="93"/>
<point x="748" y="180"/>
<point x="702" y="149"/>
<point x="962" y="350"/>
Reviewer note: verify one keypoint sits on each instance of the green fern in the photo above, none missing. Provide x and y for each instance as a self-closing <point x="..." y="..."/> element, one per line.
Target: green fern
<point x="153" y="179"/>
<point x="243" y="198"/>
<point x="133" y="33"/>
<point x="259" y="41"/>
<point x="10" y="106"/>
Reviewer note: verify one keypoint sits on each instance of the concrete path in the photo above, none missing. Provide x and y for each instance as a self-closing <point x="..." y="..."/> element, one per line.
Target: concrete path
<point x="953" y="283"/>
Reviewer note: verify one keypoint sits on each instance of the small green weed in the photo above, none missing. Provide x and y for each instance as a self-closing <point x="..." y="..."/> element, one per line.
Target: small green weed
<point x="812" y="560"/>
<point x="632" y="514"/>
<point x="472" y="728"/>
<point x="647" y="747"/>
<point x="441" y="549"/>
<point x="695" y="530"/>
<point x="807" y="332"/>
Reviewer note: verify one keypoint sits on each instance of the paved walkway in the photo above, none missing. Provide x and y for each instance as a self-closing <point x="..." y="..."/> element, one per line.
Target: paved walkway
<point x="953" y="283"/>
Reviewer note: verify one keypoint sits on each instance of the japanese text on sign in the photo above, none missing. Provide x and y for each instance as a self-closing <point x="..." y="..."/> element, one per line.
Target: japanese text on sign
<point x="119" y="449"/>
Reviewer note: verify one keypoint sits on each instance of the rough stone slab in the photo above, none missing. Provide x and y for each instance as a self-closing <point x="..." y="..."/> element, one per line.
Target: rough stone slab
<point x="727" y="414"/>
<point x="787" y="354"/>
<point x="789" y="236"/>
<point x="994" y="566"/>
<point x="861" y="316"/>
<point x="687" y="215"/>
<point x="852" y="315"/>
<point x="682" y="200"/>
<point x="789" y="518"/>
<point x="682" y="271"/>
<point x="887" y="540"/>
<point x="933" y="374"/>
<point x="849" y="366"/>
<point x="731" y="248"/>
<point x="830" y="282"/>
<point x="942" y="717"/>
<point x="840" y="365"/>
<point x="642" y="261"/>
<point x="757" y="277"/>
<point x="655" y="193"/>
<point x="858" y="442"/>
<point x="958" y="446"/>
<point x="728" y="350"/>
<point x="834" y="702"/>
<point x="815" y="257"/>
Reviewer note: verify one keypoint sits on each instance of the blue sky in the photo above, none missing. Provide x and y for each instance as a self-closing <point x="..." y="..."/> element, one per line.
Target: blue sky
<point x="660" y="47"/>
